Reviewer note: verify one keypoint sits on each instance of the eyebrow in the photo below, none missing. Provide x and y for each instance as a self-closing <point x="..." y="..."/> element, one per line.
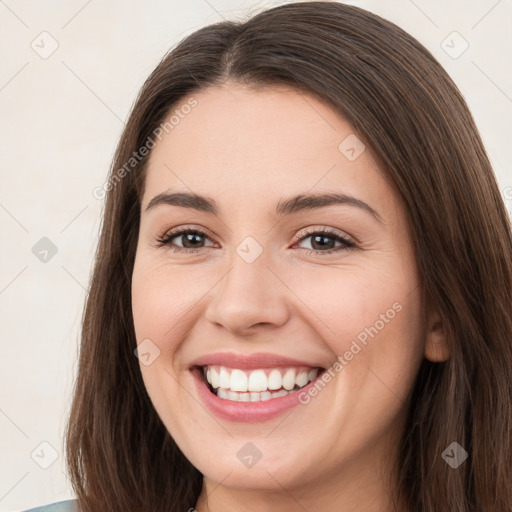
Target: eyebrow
<point x="295" y="204"/>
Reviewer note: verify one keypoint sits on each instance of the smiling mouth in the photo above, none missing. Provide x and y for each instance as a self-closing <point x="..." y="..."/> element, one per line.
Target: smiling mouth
<point x="257" y="385"/>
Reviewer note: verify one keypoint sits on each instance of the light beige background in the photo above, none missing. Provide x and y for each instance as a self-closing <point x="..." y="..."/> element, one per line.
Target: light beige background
<point x="61" y="117"/>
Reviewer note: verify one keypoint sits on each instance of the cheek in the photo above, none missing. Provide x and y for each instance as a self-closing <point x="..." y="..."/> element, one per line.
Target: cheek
<point x="161" y="300"/>
<point x="370" y="318"/>
<point x="344" y="301"/>
<point x="158" y="311"/>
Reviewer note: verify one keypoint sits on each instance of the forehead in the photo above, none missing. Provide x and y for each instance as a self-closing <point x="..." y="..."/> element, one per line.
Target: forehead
<point x="233" y="121"/>
<point x="244" y="143"/>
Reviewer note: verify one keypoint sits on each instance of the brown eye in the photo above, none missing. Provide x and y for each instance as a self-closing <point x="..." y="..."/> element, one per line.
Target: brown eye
<point x="322" y="241"/>
<point x="191" y="239"/>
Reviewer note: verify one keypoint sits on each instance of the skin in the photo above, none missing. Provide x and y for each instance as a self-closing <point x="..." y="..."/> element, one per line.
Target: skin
<point x="247" y="149"/>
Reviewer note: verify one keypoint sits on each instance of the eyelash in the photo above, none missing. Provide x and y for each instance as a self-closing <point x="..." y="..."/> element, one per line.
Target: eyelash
<point x="166" y="239"/>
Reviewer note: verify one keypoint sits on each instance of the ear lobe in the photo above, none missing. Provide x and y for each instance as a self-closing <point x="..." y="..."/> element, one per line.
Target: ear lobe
<point x="436" y="345"/>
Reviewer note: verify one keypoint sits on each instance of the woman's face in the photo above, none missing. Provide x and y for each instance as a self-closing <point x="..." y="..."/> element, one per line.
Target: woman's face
<point x="260" y="299"/>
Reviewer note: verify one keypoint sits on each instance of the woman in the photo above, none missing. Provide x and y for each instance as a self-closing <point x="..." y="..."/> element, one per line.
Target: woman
<point x="270" y="376"/>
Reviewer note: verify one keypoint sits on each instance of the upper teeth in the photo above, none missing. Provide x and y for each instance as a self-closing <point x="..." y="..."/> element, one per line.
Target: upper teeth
<point x="235" y="379"/>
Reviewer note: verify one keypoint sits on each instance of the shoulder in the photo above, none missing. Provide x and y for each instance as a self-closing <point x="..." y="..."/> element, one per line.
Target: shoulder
<point x="61" y="506"/>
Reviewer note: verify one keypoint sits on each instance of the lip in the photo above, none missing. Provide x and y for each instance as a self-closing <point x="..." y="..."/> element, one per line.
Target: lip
<point x="250" y="362"/>
<point x="247" y="412"/>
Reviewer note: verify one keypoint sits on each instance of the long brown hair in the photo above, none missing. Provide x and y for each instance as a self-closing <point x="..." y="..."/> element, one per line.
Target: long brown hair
<point x="407" y="109"/>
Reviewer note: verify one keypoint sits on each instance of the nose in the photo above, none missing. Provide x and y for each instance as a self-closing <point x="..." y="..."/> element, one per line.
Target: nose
<point x="249" y="295"/>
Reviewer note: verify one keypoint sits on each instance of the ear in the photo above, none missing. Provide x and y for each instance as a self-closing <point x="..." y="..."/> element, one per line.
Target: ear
<point x="436" y="344"/>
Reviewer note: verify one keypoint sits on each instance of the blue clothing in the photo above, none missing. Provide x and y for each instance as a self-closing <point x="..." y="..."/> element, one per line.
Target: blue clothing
<point x="61" y="506"/>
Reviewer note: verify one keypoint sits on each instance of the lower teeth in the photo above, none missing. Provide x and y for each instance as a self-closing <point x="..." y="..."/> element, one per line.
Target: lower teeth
<point x="252" y="396"/>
